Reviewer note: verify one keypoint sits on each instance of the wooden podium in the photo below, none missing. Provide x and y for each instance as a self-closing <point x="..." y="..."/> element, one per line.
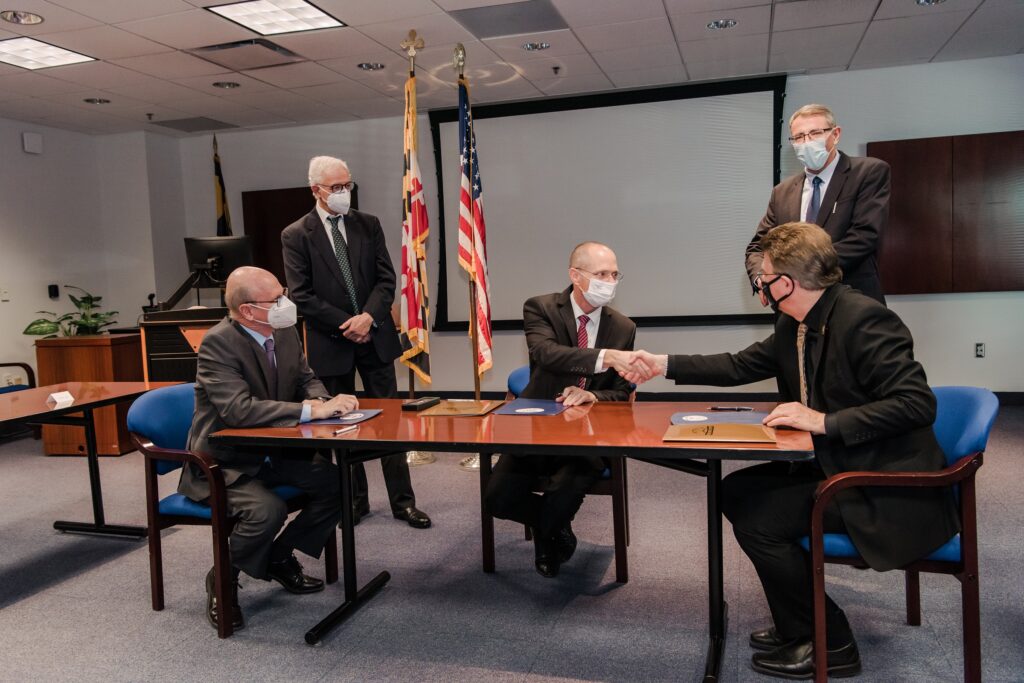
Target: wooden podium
<point x="92" y="358"/>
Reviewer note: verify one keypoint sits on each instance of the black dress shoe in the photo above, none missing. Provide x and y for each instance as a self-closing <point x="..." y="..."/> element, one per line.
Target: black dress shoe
<point x="545" y="556"/>
<point x="289" y="574"/>
<point x="565" y="541"/>
<point x="237" y="620"/>
<point x="417" y="519"/>
<point x="768" y="639"/>
<point x="796" y="660"/>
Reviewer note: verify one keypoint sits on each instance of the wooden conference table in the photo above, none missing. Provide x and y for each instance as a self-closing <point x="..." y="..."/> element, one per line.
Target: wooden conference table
<point x="602" y="429"/>
<point x="30" y="406"/>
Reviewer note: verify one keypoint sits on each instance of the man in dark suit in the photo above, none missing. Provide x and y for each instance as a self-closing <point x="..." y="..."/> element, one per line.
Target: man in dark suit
<point x="569" y="335"/>
<point x="340" y="275"/>
<point x="846" y="373"/>
<point x="252" y="373"/>
<point x="847" y="196"/>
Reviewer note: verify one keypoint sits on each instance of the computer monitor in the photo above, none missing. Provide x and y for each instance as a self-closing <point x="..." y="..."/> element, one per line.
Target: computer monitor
<point x="216" y="257"/>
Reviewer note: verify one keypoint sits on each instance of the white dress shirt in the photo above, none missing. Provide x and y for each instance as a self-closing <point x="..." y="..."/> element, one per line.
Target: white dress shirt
<point x="592" y="325"/>
<point x="327" y="226"/>
<point x="826" y="176"/>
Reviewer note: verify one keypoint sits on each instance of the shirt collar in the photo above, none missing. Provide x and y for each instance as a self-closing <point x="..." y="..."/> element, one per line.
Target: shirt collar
<point x="323" y="213"/>
<point x="825" y="174"/>
<point x="818" y="315"/>
<point x="260" y="339"/>
<point x="577" y="311"/>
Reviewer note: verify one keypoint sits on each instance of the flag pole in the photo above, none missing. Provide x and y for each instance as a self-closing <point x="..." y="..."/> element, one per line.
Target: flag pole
<point x="411" y="45"/>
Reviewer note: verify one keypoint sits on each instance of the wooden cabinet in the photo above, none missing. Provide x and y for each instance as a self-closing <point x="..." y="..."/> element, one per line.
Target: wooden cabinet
<point x="96" y="358"/>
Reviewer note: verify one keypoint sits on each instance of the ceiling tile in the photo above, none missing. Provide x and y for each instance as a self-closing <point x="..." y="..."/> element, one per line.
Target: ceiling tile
<point x="104" y="42"/>
<point x="349" y="66"/>
<point x="725" y="48"/>
<point x="890" y="9"/>
<point x="97" y="74"/>
<point x="568" y="65"/>
<point x="329" y="43"/>
<point x="183" y="30"/>
<point x="593" y="12"/>
<point x="205" y="84"/>
<point x="810" y="13"/>
<point x="154" y="90"/>
<point x="116" y="11"/>
<point x="643" y="56"/>
<point x="703" y="71"/>
<point x="253" y="117"/>
<point x="482" y="77"/>
<point x="271" y="100"/>
<point x="55" y="18"/>
<point x="363" y="12"/>
<point x="435" y="29"/>
<point x="562" y="42"/>
<point x="296" y="75"/>
<point x="376" y="108"/>
<point x="683" y="6"/>
<point x="25" y="108"/>
<point x="449" y="5"/>
<point x="625" y="34"/>
<point x="36" y="84"/>
<point x="749" y="21"/>
<point x="440" y="58"/>
<point x="814" y="48"/>
<point x="638" y="78"/>
<point x="518" y="89"/>
<point x="907" y="39"/>
<point x="170" y="65"/>
<point x="574" y="84"/>
<point x="340" y="91"/>
<point x="994" y="29"/>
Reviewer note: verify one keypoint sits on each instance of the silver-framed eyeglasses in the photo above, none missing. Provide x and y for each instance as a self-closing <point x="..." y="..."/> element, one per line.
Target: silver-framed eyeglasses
<point x="604" y="274"/>
<point x="815" y="134"/>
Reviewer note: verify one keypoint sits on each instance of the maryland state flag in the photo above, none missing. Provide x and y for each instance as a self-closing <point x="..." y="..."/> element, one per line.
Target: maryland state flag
<point x="415" y="301"/>
<point x="223" y="215"/>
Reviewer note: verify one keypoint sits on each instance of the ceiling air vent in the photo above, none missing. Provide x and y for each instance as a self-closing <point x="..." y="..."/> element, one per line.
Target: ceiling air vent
<point x="247" y="54"/>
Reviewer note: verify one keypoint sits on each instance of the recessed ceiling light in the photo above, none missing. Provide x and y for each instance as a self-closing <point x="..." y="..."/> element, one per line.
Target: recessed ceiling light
<point x="370" y="66"/>
<point x="930" y="3"/>
<point x="269" y="17"/>
<point x="227" y="85"/>
<point x="533" y="47"/>
<point x="18" y="17"/>
<point x="721" y="24"/>
<point x="30" y="53"/>
<point x="96" y="100"/>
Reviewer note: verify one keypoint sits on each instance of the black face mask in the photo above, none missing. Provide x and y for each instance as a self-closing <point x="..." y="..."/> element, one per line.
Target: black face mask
<point x="765" y="288"/>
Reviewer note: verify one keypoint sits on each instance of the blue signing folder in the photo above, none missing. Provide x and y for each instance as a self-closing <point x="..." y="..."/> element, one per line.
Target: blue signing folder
<point x="715" y="417"/>
<point x="531" y="407"/>
<point x="350" y="418"/>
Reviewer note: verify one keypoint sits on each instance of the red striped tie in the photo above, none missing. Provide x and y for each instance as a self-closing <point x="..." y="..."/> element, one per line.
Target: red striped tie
<point x="581" y="342"/>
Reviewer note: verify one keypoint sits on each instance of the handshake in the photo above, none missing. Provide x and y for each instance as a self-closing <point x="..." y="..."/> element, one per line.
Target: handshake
<point x="635" y="366"/>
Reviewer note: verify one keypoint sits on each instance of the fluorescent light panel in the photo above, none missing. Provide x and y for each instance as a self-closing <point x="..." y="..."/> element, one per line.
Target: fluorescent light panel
<point x="30" y="53"/>
<point x="270" y="17"/>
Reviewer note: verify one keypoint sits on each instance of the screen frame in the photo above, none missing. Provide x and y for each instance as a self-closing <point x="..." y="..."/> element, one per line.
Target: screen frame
<point x="774" y="84"/>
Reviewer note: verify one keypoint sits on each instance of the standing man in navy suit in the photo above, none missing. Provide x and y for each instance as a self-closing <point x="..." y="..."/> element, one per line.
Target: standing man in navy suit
<point x="340" y="276"/>
<point x="847" y="196"/>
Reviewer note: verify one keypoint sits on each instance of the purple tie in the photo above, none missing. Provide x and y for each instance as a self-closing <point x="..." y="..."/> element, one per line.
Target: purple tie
<point x="272" y="362"/>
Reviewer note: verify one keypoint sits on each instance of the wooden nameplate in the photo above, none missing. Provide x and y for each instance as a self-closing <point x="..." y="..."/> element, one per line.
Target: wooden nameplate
<point x="461" y="408"/>
<point x="727" y="432"/>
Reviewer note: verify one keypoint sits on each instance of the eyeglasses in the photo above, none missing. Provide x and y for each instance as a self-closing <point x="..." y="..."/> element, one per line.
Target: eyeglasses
<point x="284" y="293"/>
<point x="761" y="283"/>
<point x="604" y="274"/>
<point x="335" y="189"/>
<point x="815" y="134"/>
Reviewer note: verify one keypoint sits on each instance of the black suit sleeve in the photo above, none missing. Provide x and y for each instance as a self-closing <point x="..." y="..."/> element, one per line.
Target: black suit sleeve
<point x="545" y="350"/>
<point x="382" y="295"/>
<point x="870" y="215"/>
<point x="298" y="273"/>
<point x="753" y="364"/>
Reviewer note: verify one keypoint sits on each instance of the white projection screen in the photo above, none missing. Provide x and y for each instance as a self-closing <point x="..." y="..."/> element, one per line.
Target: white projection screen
<point x="675" y="186"/>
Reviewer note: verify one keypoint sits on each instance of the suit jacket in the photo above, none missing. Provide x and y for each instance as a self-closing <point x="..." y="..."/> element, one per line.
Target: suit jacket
<point x="879" y="414"/>
<point x="318" y="289"/>
<point x="232" y="391"/>
<point x="555" y="360"/>
<point x="854" y="212"/>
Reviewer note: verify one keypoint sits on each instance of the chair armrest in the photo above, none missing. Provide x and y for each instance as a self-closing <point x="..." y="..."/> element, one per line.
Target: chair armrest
<point x="210" y="467"/>
<point x="966" y="467"/>
<point x="29" y="374"/>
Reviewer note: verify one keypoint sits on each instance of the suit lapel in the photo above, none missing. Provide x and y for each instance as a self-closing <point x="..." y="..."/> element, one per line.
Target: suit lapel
<point x="568" y="317"/>
<point x="322" y="245"/>
<point x="259" y="356"/>
<point x="834" y="186"/>
<point x="603" y="330"/>
<point x="794" y="192"/>
<point x="354" y="230"/>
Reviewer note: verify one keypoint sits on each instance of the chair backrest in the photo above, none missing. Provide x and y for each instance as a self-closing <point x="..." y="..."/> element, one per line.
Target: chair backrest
<point x="164" y="416"/>
<point x="964" y="419"/>
<point x="518" y="379"/>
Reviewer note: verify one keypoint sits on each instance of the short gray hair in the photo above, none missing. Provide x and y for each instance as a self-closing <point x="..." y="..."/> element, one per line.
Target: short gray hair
<point x="318" y="167"/>
<point x="814" y="110"/>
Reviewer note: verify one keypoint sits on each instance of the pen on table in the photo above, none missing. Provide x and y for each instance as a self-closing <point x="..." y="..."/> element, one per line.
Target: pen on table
<point x="731" y="409"/>
<point x="345" y="430"/>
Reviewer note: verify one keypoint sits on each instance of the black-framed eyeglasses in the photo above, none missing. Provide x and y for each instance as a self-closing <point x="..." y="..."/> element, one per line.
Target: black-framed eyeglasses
<point x="604" y="274"/>
<point x="284" y="293"/>
<point x="335" y="189"/>
<point x="815" y="134"/>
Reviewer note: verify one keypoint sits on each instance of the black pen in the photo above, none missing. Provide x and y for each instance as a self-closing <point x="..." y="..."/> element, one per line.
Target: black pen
<point x="731" y="409"/>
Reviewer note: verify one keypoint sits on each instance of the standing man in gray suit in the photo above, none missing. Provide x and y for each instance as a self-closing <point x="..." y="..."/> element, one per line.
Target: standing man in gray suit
<point x="340" y="274"/>
<point x="252" y="373"/>
<point x="847" y="196"/>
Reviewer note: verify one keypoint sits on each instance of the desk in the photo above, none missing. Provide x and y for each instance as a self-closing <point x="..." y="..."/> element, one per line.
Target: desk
<point x="30" y="407"/>
<point x="602" y="429"/>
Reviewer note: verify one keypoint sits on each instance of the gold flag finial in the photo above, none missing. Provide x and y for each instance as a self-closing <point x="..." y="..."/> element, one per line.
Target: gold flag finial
<point x="411" y="45"/>
<point x="459" y="59"/>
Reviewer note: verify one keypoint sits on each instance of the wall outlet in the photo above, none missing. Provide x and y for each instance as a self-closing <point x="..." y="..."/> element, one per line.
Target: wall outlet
<point x="979" y="349"/>
<point x="8" y="380"/>
<point x="4" y="295"/>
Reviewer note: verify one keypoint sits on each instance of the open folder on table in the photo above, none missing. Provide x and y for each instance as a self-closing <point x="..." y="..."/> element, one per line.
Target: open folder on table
<point x="736" y="433"/>
<point x="461" y="408"/>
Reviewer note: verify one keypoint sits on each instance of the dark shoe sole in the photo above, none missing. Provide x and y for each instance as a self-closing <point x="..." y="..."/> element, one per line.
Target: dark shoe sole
<point x="767" y="647"/>
<point x="302" y="591"/>
<point x="414" y="524"/>
<point x="840" y="671"/>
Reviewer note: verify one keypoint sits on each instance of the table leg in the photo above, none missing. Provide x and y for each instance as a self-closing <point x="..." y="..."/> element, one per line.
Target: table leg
<point x="354" y="597"/>
<point x="99" y="525"/>
<point x="486" y="520"/>
<point x="718" y="610"/>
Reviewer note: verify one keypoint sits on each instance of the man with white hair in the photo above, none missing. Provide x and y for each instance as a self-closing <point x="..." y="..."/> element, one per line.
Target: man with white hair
<point x="340" y="276"/>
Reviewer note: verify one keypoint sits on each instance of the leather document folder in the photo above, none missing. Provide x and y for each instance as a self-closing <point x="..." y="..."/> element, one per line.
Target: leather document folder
<point x="736" y="433"/>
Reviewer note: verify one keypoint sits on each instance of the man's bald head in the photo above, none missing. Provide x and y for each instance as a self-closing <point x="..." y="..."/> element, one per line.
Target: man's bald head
<point x="247" y="284"/>
<point x="586" y="254"/>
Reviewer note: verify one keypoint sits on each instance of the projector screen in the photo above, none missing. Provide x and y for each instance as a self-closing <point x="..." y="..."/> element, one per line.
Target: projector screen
<point x="673" y="180"/>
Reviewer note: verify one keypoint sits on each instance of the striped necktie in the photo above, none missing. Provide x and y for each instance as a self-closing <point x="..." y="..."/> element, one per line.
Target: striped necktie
<point x="582" y="341"/>
<point x="801" y="343"/>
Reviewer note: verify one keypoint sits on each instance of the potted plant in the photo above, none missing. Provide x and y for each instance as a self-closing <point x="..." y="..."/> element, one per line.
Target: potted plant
<point x="87" y="320"/>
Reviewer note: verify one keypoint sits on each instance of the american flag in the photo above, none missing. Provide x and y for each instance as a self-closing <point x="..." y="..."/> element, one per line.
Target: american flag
<point x="473" y="230"/>
<point x="415" y="300"/>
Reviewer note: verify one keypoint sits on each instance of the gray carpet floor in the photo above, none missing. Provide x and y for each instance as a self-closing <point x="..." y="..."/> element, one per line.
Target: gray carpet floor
<point x="75" y="608"/>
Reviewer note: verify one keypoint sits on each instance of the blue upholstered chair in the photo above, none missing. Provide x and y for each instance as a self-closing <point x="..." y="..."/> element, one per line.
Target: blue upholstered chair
<point x="159" y="421"/>
<point x="30" y="383"/>
<point x="962" y="425"/>
<point x="612" y="483"/>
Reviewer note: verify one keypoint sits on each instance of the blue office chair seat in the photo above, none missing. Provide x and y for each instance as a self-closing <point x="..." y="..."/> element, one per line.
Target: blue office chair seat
<point x="840" y="546"/>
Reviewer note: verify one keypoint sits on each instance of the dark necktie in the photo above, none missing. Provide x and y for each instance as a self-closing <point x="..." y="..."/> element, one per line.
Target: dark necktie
<point x="341" y="253"/>
<point x="801" y="344"/>
<point x="815" y="203"/>
<point x="272" y="363"/>
<point x="582" y="341"/>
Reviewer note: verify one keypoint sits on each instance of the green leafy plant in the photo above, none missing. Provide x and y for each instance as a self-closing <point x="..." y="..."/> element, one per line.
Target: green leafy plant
<point x="87" y="320"/>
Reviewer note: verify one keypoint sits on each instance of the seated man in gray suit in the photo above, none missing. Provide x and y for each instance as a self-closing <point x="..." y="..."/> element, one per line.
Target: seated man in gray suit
<point x="252" y="373"/>
<point x="571" y="335"/>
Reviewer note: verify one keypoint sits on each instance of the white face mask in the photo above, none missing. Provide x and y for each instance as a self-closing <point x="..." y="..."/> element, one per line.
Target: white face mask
<point x="339" y="202"/>
<point x="600" y="293"/>
<point x="282" y="314"/>
<point x="813" y="154"/>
